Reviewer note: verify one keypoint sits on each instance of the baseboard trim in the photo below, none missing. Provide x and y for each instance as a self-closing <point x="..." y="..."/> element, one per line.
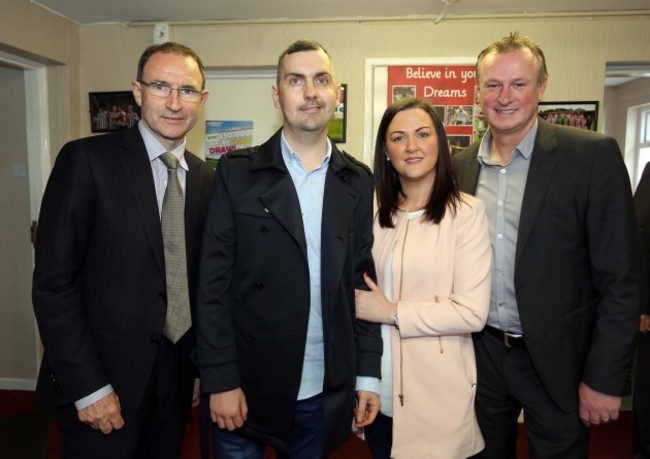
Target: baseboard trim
<point x="17" y="384"/>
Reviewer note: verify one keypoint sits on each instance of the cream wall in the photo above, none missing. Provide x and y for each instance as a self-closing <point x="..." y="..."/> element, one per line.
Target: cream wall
<point x="576" y="48"/>
<point x="31" y="32"/>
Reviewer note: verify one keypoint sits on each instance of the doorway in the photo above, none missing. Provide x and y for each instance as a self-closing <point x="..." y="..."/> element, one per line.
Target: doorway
<point x="24" y="165"/>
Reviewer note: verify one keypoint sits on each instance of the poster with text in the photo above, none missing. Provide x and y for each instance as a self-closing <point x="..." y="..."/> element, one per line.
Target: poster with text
<point x="451" y="89"/>
<point x="222" y="137"/>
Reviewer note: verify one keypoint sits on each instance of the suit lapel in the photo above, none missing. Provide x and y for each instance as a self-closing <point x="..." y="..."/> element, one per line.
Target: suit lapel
<point x="137" y="170"/>
<point x="467" y="169"/>
<point x="543" y="162"/>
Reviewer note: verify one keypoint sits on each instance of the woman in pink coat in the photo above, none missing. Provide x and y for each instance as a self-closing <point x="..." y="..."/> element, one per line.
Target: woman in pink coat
<point x="433" y="258"/>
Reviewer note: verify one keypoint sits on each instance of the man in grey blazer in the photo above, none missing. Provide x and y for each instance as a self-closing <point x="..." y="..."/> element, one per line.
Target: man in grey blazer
<point x="287" y="240"/>
<point x="117" y="386"/>
<point x="565" y="292"/>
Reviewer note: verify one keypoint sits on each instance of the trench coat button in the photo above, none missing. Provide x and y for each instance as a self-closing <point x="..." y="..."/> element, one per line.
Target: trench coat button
<point x="264" y="231"/>
<point x="259" y="286"/>
<point x="250" y="337"/>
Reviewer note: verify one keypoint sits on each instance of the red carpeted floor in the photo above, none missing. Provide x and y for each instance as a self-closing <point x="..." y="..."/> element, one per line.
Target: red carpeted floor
<point x="611" y="441"/>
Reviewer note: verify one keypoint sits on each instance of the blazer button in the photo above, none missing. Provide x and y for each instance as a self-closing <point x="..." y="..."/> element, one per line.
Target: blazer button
<point x="348" y="285"/>
<point x="264" y="231"/>
<point x="250" y="337"/>
<point x="162" y="296"/>
<point x="259" y="286"/>
<point x="154" y="341"/>
<point x="55" y="384"/>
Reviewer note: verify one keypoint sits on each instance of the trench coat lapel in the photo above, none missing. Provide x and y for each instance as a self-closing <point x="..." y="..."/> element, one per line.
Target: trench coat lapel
<point x="339" y="204"/>
<point x="281" y="199"/>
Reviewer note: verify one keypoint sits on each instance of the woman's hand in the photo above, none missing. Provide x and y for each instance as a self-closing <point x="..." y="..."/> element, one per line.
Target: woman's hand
<point x="373" y="305"/>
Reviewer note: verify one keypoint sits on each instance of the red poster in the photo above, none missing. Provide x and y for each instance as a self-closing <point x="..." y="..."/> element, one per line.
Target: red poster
<point x="450" y="88"/>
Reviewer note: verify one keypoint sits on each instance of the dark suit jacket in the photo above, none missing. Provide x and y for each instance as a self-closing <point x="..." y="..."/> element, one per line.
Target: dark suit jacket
<point x="577" y="261"/>
<point x="642" y="208"/>
<point x="253" y="300"/>
<point x="99" y="282"/>
<point x="641" y="396"/>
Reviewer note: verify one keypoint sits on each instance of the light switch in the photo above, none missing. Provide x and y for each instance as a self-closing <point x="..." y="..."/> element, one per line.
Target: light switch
<point x="18" y="170"/>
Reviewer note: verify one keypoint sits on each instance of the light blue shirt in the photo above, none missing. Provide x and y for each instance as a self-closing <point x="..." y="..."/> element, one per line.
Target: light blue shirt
<point x="501" y="188"/>
<point x="310" y="187"/>
<point x="160" y="176"/>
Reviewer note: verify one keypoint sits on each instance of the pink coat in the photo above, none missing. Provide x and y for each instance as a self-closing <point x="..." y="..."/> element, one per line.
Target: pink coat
<point x="443" y="297"/>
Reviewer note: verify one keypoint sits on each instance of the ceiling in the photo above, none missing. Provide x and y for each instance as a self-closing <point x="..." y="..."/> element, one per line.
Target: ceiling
<point x="152" y="11"/>
<point x="102" y="11"/>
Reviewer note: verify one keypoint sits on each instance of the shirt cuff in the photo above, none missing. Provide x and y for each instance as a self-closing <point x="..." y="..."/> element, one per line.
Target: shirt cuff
<point x="368" y="383"/>
<point x="93" y="398"/>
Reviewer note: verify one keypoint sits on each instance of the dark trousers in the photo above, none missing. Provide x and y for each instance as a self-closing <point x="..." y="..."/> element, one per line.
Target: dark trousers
<point x="307" y="441"/>
<point x="508" y="382"/>
<point x="379" y="436"/>
<point x="641" y="399"/>
<point x="156" y="430"/>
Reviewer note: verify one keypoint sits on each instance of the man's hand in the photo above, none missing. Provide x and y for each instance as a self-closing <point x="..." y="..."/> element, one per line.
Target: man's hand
<point x="229" y="409"/>
<point x="644" y="324"/>
<point x="105" y="414"/>
<point x="368" y="405"/>
<point x="597" y="408"/>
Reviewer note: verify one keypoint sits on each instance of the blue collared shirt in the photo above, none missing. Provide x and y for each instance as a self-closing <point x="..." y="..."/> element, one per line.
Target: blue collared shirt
<point x="501" y="188"/>
<point x="310" y="187"/>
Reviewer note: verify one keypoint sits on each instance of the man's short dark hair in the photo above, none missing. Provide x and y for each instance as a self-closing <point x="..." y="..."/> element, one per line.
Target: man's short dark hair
<point x="169" y="47"/>
<point x="297" y="46"/>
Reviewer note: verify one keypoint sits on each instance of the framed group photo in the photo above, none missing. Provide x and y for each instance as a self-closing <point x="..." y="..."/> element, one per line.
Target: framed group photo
<point x="581" y="115"/>
<point x="112" y="111"/>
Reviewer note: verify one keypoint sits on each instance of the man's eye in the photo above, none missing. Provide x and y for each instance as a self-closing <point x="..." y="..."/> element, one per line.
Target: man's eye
<point x="160" y="86"/>
<point x="187" y="91"/>
<point x="322" y="80"/>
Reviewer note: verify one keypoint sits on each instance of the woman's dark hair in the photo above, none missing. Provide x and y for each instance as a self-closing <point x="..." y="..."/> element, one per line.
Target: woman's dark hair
<point x="444" y="192"/>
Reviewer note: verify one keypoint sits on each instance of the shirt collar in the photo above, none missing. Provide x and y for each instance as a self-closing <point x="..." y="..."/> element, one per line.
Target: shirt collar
<point x="525" y="147"/>
<point x="155" y="148"/>
<point x="290" y="156"/>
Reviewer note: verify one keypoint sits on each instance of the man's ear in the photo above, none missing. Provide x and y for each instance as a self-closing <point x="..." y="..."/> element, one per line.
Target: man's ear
<point x="136" y="89"/>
